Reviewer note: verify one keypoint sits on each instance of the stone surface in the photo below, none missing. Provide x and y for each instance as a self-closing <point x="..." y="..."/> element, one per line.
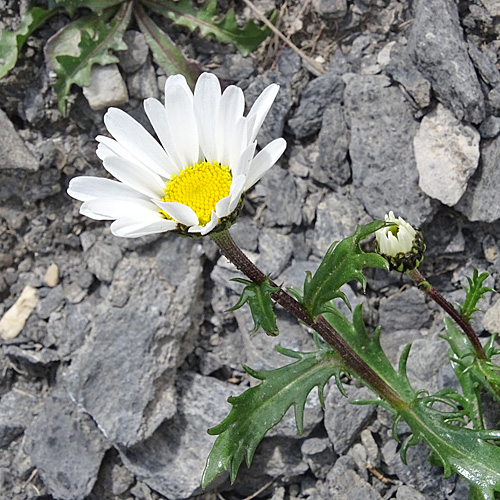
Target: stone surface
<point x="16" y="413"/>
<point x="344" y="421"/>
<point x="66" y="447"/>
<point x="168" y="462"/>
<point x="318" y="453"/>
<point x="317" y="94"/>
<point x="106" y="88"/>
<point x="447" y="154"/>
<point x="137" y="51"/>
<point x="491" y="318"/>
<point x="14" y="155"/>
<point x="438" y="49"/>
<point x="124" y="376"/>
<point x="51" y="277"/>
<point x="381" y="149"/>
<point x="481" y="202"/>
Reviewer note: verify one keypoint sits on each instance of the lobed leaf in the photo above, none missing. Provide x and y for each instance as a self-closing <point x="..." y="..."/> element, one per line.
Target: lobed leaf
<point x="225" y="30"/>
<point x="261" y="407"/>
<point x="343" y="262"/>
<point x="261" y="304"/>
<point x="474" y="292"/>
<point x="11" y="42"/>
<point x="96" y="6"/>
<point x="96" y="38"/>
<point x="165" y="52"/>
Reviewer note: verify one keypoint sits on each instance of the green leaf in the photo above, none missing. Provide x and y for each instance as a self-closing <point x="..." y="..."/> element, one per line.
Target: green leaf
<point x="459" y="450"/>
<point x="96" y="6"/>
<point x="11" y="42"/>
<point x="474" y="292"/>
<point x="226" y="30"/>
<point x="260" y="408"/>
<point x="342" y="263"/>
<point x="96" y="38"/>
<point x="471" y="370"/>
<point x="166" y="54"/>
<point x="261" y="304"/>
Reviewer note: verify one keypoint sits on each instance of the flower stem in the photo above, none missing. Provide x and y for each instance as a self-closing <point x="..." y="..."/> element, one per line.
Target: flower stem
<point x="462" y="322"/>
<point x="353" y="362"/>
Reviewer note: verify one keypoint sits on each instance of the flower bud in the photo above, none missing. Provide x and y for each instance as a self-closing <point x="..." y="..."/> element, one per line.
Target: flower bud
<point x="400" y="243"/>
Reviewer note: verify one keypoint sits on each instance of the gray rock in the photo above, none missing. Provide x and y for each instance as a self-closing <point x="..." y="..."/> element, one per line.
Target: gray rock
<point x="401" y="69"/>
<point x="171" y="461"/>
<point x="106" y="88"/>
<point x="52" y="302"/>
<point x="344" y="421"/>
<point x="438" y="49"/>
<point x="317" y="94"/>
<point x="492" y="7"/>
<point x="275" y="251"/>
<point x="408" y="493"/>
<point x="494" y="98"/>
<point x="486" y="67"/>
<point x="124" y="376"/>
<point x="319" y="455"/>
<point x="419" y="472"/>
<point x="382" y="131"/>
<point x="143" y="83"/>
<point x="102" y="259"/>
<point x="332" y="167"/>
<point x="330" y="8"/>
<point x="282" y="198"/>
<point x="426" y="361"/>
<point x="14" y="155"/>
<point x="65" y="446"/>
<point x="490" y="127"/>
<point x="337" y="217"/>
<point x="344" y="483"/>
<point x="16" y="412"/>
<point x="137" y="51"/>
<point x="286" y="74"/>
<point x="447" y="154"/>
<point x="235" y="67"/>
<point x="481" y="201"/>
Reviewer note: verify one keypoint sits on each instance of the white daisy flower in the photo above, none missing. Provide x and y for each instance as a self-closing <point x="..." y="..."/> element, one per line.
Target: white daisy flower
<point x="197" y="175"/>
<point x="400" y="243"/>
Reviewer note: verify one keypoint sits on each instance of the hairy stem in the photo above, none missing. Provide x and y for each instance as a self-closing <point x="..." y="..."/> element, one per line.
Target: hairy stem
<point x="353" y="362"/>
<point x="462" y="322"/>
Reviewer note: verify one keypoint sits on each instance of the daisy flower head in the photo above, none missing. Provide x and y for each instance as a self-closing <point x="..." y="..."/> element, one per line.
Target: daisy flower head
<point x="192" y="180"/>
<point x="400" y="243"/>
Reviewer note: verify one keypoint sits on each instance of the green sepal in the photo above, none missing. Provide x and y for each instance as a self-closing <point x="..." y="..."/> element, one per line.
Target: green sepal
<point x="474" y="292"/>
<point x="96" y="38"/>
<point x="343" y="262"/>
<point x="261" y="304"/>
<point x="165" y="52"/>
<point x="261" y="407"/>
<point x="209" y="22"/>
<point x="11" y="42"/>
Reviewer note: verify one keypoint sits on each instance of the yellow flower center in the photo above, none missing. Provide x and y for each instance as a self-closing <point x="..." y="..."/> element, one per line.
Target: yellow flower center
<point x="199" y="186"/>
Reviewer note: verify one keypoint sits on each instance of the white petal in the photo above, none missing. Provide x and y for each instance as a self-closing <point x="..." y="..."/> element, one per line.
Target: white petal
<point x="245" y="161"/>
<point x="115" y="208"/>
<point x="264" y="161"/>
<point x="238" y="142"/>
<point x="135" y="176"/>
<point x="136" y="139"/>
<point x="259" y="110"/>
<point x="207" y="95"/>
<point x="181" y="213"/>
<point x="214" y="220"/>
<point x="237" y="188"/>
<point x="182" y="124"/>
<point x="157" y="115"/>
<point x="90" y="188"/>
<point x="231" y="108"/>
<point x="180" y="82"/>
<point x="133" y="227"/>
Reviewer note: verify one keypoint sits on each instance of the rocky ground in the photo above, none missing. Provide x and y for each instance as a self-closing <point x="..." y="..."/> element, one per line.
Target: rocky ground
<point x="129" y="353"/>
